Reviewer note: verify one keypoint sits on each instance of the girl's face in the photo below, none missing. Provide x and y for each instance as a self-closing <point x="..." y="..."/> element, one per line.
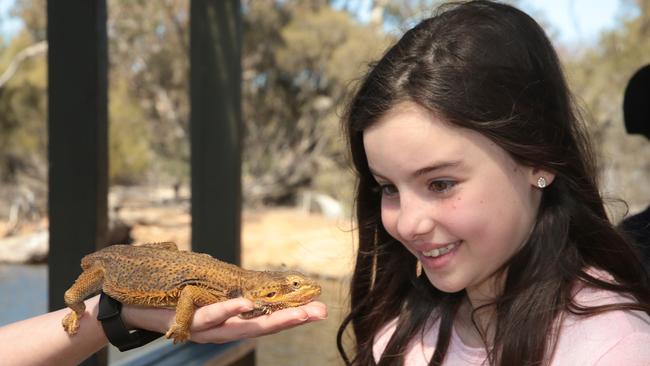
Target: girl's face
<point x="452" y="197"/>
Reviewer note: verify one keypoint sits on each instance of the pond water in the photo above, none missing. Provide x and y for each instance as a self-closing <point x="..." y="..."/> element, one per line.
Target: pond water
<point x="23" y="294"/>
<point x="23" y="291"/>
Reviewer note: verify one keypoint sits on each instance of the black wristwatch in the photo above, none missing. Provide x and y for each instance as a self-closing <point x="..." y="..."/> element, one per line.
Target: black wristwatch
<point x="109" y="315"/>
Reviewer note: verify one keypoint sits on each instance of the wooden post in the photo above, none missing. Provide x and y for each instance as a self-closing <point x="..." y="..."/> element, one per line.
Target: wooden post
<point x="215" y="93"/>
<point x="78" y="134"/>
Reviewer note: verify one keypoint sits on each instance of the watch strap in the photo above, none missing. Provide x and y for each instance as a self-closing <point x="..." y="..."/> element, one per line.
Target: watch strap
<point x="109" y="315"/>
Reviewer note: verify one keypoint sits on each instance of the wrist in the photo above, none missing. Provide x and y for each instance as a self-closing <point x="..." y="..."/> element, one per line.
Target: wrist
<point x="149" y="318"/>
<point x="130" y="320"/>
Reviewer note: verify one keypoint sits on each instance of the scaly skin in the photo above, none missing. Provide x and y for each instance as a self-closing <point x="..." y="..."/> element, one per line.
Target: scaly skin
<point x="159" y="275"/>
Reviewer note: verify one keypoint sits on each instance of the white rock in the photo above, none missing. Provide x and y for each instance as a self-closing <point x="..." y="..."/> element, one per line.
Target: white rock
<point x="25" y="248"/>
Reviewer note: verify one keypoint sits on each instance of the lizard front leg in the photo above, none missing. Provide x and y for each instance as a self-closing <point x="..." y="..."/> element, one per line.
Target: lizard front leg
<point x="189" y="299"/>
<point x="89" y="282"/>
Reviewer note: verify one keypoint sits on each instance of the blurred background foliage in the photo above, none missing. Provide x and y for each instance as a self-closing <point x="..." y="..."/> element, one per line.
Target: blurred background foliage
<point x="300" y="59"/>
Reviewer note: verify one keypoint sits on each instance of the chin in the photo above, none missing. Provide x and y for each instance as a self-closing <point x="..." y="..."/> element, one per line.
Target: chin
<point x="445" y="284"/>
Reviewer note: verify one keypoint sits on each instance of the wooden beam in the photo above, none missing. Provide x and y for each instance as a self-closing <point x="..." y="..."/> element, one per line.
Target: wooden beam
<point x="78" y="134"/>
<point x="215" y="93"/>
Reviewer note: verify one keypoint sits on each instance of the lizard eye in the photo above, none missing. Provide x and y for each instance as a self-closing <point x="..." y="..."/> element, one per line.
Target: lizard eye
<point x="270" y="294"/>
<point x="296" y="284"/>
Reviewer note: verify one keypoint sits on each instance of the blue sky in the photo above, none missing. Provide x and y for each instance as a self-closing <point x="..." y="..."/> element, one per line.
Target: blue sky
<point x="576" y="21"/>
<point x="8" y="26"/>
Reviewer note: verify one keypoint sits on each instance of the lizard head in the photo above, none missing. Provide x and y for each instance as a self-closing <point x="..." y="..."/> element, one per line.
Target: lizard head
<point x="272" y="291"/>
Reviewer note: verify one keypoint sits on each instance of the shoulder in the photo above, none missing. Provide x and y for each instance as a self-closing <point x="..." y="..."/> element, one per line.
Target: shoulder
<point x="585" y="295"/>
<point x="631" y="350"/>
<point x="607" y="336"/>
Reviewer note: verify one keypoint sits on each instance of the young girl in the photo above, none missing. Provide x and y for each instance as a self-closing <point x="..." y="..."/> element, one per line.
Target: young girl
<point x="482" y="235"/>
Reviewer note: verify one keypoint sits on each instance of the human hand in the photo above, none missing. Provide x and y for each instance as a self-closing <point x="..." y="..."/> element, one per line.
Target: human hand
<point x="220" y="323"/>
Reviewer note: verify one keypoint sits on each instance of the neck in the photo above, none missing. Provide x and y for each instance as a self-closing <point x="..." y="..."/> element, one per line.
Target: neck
<point x="475" y="327"/>
<point x="473" y="312"/>
<point x="487" y="291"/>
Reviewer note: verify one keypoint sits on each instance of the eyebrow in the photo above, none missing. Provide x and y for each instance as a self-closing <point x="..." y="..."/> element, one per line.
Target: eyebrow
<point x="425" y="170"/>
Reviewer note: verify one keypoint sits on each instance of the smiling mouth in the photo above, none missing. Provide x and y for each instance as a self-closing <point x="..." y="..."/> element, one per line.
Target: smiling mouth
<point x="440" y="251"/>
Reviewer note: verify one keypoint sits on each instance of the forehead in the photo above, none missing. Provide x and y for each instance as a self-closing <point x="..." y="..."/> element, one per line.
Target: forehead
<point x="412" y="132"/>
<point x="410" y="137"/>
<point x="411" y="121"/>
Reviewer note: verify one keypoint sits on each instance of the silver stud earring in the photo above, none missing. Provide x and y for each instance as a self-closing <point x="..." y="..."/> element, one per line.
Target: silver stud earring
<point x="541" y="182"/>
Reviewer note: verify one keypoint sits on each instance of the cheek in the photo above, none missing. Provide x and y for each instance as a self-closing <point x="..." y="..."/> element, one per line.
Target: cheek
<point x="494" y="221"/>
<point x="389" y="215"/>
<point x="462" y="217"/>
<point x="468" y="214"/>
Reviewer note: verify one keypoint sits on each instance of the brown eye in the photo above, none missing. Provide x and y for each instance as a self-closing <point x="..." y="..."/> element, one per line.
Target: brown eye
<point x="296" y="283"/>
<point x="270" y="294"/>
<point x="441" y="186"/>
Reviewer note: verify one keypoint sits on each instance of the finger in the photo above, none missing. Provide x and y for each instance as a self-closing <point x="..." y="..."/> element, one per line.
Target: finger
<point x="215" y="314"/>
<point x="237" y="328"/>
<point x="316" y="310"/>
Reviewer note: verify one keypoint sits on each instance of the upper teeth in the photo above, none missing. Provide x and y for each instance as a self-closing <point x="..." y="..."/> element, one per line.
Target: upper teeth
<point x="440" y="251"/>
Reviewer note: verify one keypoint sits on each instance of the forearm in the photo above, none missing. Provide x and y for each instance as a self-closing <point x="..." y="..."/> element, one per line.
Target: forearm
<point x="42" y="341"/>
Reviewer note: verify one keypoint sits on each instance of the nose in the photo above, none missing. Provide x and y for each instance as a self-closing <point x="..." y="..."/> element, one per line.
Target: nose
<point x="415" y="218"/>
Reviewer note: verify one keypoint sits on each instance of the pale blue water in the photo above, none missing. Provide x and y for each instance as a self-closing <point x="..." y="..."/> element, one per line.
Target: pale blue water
<point x="23" y="291"/>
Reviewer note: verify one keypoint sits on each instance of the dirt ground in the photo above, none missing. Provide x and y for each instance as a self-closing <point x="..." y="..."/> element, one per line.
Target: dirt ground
<point x="271" y="238"/>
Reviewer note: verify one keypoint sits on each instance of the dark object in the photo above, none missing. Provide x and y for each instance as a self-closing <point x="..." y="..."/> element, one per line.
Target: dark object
<point x="77" y="67"/>
<point x="636" y="112"/>
<point x="109" y="314"/>
<point x="636" y="103"/>
<point x="215" y="124"/>
<point x="637" y="228"/>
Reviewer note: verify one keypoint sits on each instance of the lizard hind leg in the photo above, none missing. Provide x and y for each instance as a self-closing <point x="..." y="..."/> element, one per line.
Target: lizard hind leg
<point x="89" y="282"/>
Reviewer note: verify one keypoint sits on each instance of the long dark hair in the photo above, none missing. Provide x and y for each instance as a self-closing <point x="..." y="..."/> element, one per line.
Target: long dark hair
<point x="490" y="68"/>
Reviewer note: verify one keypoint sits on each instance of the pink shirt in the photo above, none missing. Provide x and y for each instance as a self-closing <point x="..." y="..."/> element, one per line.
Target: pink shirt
<point x="610" y="339"/>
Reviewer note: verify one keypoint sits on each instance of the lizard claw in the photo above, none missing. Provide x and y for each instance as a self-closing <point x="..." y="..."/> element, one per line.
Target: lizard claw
<point x="71" y="323"/>
<point x="179" y="334"/>
<point x="258" y="311"/>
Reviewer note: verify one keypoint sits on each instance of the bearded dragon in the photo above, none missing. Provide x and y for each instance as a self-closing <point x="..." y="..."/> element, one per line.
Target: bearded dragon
<point x="159" y="275"/>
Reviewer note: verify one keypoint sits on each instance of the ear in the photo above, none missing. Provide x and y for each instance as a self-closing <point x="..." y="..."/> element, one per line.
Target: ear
<point x="536" y="175"/>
